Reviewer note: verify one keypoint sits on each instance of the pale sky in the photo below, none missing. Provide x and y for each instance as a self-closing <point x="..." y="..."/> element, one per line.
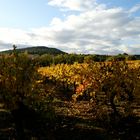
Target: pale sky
<point x="74" y="26"/>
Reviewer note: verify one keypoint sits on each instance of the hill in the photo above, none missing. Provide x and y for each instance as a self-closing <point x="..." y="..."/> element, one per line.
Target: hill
<point x="40" y="50"/>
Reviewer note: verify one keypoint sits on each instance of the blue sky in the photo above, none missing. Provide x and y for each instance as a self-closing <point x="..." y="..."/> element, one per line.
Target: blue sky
<point x="25" y="13"/>
<point x="121" y="3"/>
<point x="75" y="26"/>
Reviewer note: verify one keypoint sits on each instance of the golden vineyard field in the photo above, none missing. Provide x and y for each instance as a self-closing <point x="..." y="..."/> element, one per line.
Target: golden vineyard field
<point x="95" y="76"/>
<point x="103" y="93"/>
<point x="114" y="83"/>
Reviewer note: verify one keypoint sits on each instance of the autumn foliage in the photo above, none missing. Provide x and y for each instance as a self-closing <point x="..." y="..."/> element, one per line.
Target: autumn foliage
<point x="118" y="80"/>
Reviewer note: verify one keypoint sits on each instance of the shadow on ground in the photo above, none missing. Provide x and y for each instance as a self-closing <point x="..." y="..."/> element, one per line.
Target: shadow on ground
<point x="69" y="128"/>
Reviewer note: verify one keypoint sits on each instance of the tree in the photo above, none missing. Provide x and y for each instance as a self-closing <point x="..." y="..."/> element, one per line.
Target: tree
<point x="18" y="86"/>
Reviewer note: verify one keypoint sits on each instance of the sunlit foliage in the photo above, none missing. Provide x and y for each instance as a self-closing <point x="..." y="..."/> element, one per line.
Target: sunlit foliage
<point x="118" y="80"/>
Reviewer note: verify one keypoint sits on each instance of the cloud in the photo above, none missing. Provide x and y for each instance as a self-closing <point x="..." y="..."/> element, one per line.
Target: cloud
<point x="4" y="46"/>
<point x="135" y="8"/>
<point x="15" y="36"/>
<point x="99" y="30"/>
<point x="75" y="5"/>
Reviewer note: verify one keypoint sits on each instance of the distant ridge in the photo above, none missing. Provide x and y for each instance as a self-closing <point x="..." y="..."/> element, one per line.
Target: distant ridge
<point x="40" y="50"/>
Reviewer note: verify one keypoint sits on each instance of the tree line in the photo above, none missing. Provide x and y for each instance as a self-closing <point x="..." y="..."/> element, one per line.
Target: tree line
<point x="47" y="59"/>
